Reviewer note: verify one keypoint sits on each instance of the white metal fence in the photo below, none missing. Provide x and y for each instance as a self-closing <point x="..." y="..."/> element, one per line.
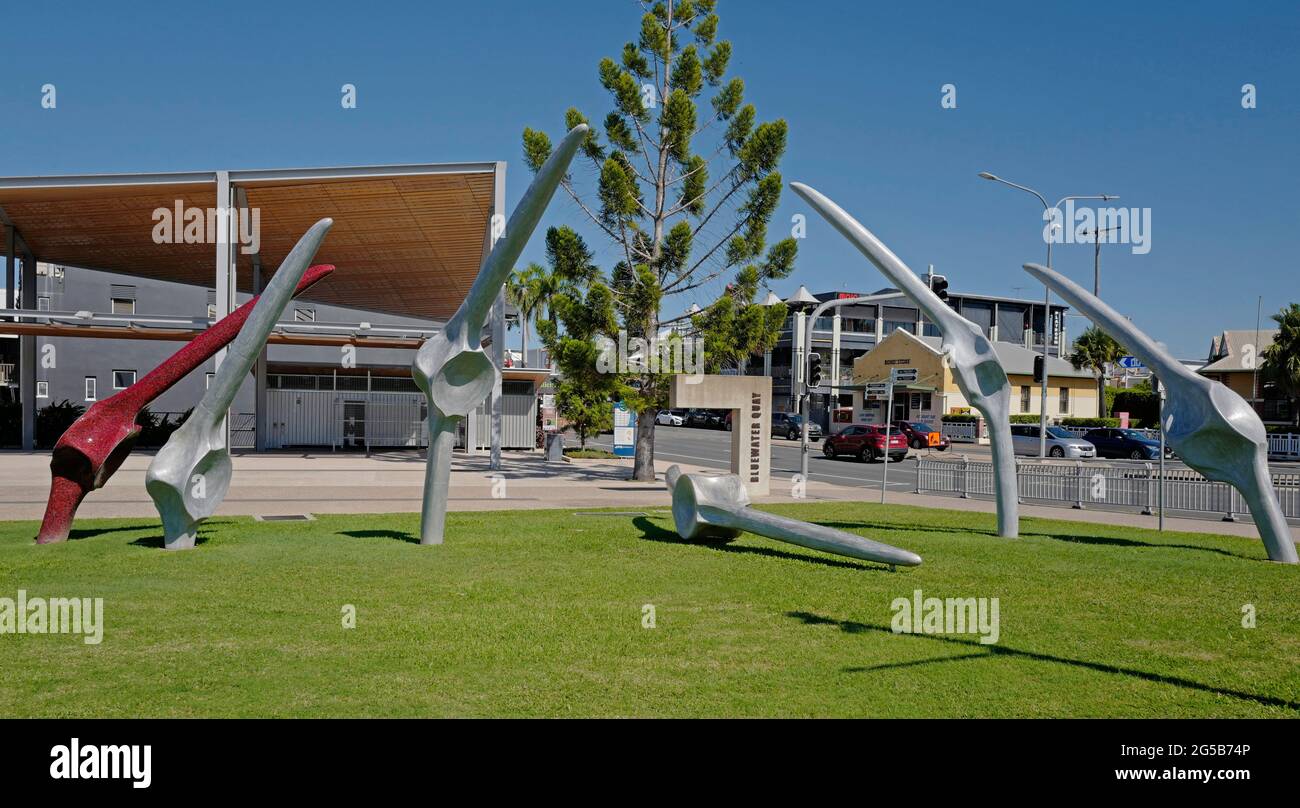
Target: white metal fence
<point x="1280" y="446"/>
<point x="960" y="431"/>
<point x="1117" y="484"/>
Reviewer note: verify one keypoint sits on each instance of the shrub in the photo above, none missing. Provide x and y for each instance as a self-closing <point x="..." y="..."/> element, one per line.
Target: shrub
<point x="1142" y="405"/>
<point x="53" y="420"/>
<point x="155" y="431"/>
<point x="959" y="419"/>
<point x="1024" y="419"/>
<point x="1090" y="423"/>
<point x="11" y="423"/>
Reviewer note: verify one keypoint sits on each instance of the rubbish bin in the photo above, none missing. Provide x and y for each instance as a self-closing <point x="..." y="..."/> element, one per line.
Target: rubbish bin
<point x="554" y="447"/>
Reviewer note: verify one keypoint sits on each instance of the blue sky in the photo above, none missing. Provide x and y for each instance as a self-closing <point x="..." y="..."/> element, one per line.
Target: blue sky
<point x="1140" y="100"/>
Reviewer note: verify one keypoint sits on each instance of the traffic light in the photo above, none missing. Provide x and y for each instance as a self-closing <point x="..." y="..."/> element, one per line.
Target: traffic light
<point x="814" y="370"/>
<point x="939" y="285"/>
<point x="1038" y="368"/>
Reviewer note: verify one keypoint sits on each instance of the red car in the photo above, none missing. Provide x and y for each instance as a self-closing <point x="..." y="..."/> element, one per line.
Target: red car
<point x="865" y="442"/>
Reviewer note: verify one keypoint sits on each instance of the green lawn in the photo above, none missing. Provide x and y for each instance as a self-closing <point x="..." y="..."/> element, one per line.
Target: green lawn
<point x="539" y="613"/>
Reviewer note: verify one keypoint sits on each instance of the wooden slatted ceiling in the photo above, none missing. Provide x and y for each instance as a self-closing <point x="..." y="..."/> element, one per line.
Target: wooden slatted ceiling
<point x="409" y="245"/>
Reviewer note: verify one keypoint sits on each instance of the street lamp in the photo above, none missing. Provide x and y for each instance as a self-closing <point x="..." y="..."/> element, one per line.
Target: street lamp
<point x="1047" y="296"/>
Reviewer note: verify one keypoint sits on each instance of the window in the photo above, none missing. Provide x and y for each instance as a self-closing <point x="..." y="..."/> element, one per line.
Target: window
<point x="42" y="303"/>
<point x="1024" y="398"/>
<point x="1065" y="400"/>
<point x="121" y="298"/>
<point x="123" y="379"/>
<point x="90" y="388"/>
<point x="304" y="315"/>
<point x="42" y="389"/>
<point x="212" y="311"/>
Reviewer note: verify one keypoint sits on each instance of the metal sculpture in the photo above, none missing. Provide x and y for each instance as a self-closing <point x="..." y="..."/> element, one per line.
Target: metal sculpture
<point x="1211" y="428"/>
<point x="714" y="508"/>
<point x="94" y="447"/>
<point x="451" y="367"/>
<point x="975" y="366"/>
<point x="190" y="475"/>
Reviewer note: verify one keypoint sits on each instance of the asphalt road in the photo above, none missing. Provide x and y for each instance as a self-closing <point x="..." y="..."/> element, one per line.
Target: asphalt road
<point x="712" y="448"/>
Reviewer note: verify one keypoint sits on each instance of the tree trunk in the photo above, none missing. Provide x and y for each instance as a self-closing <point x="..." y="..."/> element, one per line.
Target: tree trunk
<point x="1101" y="395"/>
<point x="643" y="465"/>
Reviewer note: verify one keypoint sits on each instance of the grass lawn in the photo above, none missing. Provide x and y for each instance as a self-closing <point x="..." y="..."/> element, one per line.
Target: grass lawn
<point x="539" y="613"/>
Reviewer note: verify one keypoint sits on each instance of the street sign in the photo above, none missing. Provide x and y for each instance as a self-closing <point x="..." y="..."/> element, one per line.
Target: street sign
<point x="877" y="388"/>
<point x="1130" y="362"/>
<point x="902" y="375"/>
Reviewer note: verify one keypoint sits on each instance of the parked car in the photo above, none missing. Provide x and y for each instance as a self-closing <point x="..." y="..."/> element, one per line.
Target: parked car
<point x="697" y="417"/>
<point x="716" y="419"/>
<point x="1127" y="443"/>
<point x="1060" y="443"/>
<point x="921" y="435"/>
<point x="790" y="425"/>
<point x="671" y="417"/>
<point x="866" y="442"/>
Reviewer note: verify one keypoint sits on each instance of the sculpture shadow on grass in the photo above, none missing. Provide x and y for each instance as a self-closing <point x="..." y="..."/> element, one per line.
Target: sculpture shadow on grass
<point x="995" y="650"/>
<point x="79" y="533"/>
<point x="201" y="537"/>
<point x="908" y="528"/>
<point x="1115" y="541"/>
<point x="653" y="532"/>
<point x="400" y="535"/>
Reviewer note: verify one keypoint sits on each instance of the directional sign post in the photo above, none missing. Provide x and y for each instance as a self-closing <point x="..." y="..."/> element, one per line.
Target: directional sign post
<point x="1131" y="362"/>
<point x="896" y="376"/>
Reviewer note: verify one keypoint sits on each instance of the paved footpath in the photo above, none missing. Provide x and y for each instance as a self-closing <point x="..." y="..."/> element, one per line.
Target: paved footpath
<point x="285" y="483"/>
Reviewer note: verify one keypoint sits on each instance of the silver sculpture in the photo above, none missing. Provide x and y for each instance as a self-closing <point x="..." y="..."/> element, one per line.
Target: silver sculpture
<point x="714" y="508"/>
<point x="1211" y="428"/>
<point x="966" y="350"/>
<point x="451" y="367"/>
<point x="190" y="475"/>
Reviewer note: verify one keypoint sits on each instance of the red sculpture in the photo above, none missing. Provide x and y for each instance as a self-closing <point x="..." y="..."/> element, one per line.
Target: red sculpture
<point x="93" y="448"/>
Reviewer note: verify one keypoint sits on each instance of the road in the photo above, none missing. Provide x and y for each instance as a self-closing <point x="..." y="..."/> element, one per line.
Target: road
<point x="712" y="448"/>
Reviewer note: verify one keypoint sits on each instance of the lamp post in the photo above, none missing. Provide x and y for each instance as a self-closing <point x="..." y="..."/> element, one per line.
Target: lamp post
<point x="1047" y="294"/>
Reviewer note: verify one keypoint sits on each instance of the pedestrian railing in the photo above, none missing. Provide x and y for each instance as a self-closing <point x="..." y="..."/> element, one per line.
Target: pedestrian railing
<point x="1116" y="485"/>
<point x="960" y="431"/>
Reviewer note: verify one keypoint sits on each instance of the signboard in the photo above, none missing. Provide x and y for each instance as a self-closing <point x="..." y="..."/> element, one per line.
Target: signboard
<point x="624" y="430"/>
<point x="1130" y="362"/>
<point x="902" y="375"/>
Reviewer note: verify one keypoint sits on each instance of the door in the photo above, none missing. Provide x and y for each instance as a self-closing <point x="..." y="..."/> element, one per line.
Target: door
<point x="354" y="423"/>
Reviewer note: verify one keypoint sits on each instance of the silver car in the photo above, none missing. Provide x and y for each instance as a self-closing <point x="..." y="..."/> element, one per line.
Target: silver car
<point x="1060" y="443"/>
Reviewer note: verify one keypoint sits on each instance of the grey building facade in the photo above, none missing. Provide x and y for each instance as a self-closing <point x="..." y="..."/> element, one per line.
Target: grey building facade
<point x="316" y="396"/>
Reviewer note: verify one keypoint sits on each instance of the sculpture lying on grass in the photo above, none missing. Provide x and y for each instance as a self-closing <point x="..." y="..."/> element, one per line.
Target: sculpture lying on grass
<point x="97" y="443"/>
<point x="189" y="477"/>
<point x="1211" y="428"/>
<point x="714" y="508"/>
<point x="451" y="367"/>
<point x="975" y="366"/>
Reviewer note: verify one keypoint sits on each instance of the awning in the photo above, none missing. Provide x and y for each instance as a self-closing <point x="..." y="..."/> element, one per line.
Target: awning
<point x="407" y="239"/>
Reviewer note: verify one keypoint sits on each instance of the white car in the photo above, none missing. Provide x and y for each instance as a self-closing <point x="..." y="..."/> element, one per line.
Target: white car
<point x="670" y="418"/>
<point x="1060" y="443"/>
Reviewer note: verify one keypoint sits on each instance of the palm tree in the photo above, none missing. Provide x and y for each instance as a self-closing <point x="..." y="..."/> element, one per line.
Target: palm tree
<point x="1282" y="358"/>
<point x="527" y="291"/>
<point x="1095" y="349"/>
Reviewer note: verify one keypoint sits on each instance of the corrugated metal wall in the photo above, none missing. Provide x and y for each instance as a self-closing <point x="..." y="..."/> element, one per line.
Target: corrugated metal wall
<point x="357" y="418"/>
